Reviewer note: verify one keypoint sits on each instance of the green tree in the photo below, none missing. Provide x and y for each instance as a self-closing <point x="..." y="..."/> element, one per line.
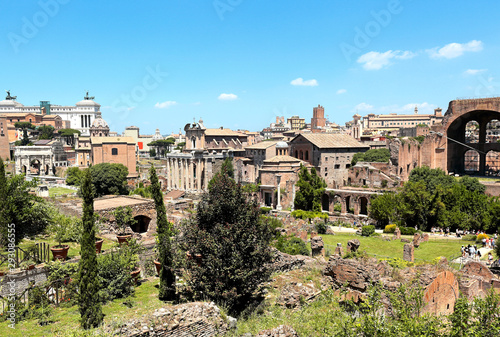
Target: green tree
<point x="232" y="242"/>
<point x="432" y="178"/>
<point x="89" y="303"/>
<point x="123" y="218"/>
<point x="373" y="155"/>
<point x="69" y="135"/>
<point x="152" y="152"/>
<point x="167" y="276"/>
<point x="25" y="126"/>
<point x="311" y="188"/>
<point x="45" y="132"/>
<point x="109" y="179"/>
<point x="29" y="213"/>
<point x="73" y="176"/>
<point x="384" y="208"/>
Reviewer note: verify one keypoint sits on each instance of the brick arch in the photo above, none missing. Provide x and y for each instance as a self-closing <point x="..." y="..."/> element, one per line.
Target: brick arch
<point x="441" y="294"/>
<point x="350" y="199"/>
<point x="461" y="112"/>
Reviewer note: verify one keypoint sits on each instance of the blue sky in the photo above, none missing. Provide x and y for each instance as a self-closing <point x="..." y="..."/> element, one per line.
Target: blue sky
<point x="241" y="63"/>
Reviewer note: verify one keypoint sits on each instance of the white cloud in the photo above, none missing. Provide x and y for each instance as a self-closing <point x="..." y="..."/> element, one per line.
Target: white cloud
<point x="453" y="50"/>
<point x="227" y="97"/>
<point x="363" y="107"/>
<point x="165" y="105"/>
<point x="308" y="83"/>
<point x="375" y="61"/>
<point x="474" y="71"/>
<point x="341" y="91"/>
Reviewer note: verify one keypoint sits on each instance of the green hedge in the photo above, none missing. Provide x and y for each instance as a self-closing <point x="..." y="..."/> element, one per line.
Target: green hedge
<point x="300" y="214"/>
<point x="367" y="230"/>
<point x="407" y="230"/>
<point x="265" y="210"/>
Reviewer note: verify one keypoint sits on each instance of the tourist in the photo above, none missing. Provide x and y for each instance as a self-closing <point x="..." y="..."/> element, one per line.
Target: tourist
<point x="472" y="252"/>
<point x="478" y="255"/>
<point x="462" y="250"/>
<point x="490" y="259"/>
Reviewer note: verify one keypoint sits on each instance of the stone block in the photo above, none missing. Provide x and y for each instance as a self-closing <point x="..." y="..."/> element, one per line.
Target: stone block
<point x="397" y="234"/>
<point x="317" y="246"/>
<point x="425" y="237"/>
<point x="353" y="245"/>
<point x="408" y="252"/>
<point x="405" y="240"/>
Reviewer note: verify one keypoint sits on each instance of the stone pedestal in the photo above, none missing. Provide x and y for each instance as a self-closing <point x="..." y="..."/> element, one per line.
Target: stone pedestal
<point x="397" y="234"/>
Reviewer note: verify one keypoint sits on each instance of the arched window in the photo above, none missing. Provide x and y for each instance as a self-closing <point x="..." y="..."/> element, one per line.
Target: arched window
<point x="472" y="132"/>
<point x="492" y="167"/>
<point x="114" y="151"/>
<point x="193" y="142"/>
<point x="471" y="161"/>
<point x="296" y="154"/>
<point x="307" y="155"/>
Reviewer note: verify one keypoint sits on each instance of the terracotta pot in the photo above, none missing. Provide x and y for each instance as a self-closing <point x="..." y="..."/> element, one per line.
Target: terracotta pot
<point x="2" y="273"/>
<point x="135" y="274"/>
<point x="60" y="252"/>
<point x="98" y="245"/>
<point x="158" y="266"/>
<point x="123" y="238"/>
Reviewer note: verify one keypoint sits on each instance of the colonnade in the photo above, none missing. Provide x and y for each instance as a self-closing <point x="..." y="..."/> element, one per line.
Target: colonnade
<point x="187" y="174"/>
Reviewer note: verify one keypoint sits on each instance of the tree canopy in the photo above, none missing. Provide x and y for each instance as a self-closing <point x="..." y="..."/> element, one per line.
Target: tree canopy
<point x="373" y="155"/>
<point x="432" y="198"/>
<point x="232" y="242"/>
<point x="109" y="179"/>
<point x="45" y="132"/>
<point x="311" y="188"/>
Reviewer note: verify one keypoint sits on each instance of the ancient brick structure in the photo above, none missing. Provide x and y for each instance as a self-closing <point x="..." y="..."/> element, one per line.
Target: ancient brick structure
<point x="358" y="200"/>
<point x="4" y="139"/>
<point x="440" y="296"/>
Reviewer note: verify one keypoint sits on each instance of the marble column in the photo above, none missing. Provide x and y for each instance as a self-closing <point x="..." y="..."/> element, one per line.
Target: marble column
<point x="169" y="180"/>
<point x="278" y="203"/>
<point x="198" y="175"/>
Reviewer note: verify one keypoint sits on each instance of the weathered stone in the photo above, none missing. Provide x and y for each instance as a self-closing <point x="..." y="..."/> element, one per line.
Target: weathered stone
<point x="281" y="331"/>
<point x="330" y="231"/>
<point x="405" y="240"/>
<point x="425" y="237"/>
<point x="303" y="235"/>
<point x="477" y="269"/>
<point x="397" y="234"/>
<point x="295" y="294"/>
<point x="317" y="246"/>
<point x="284" y="262"/>
<point x="408" y="252"/>
<point x="313" y="234"/>
<point x="353" y="245"/>
<point x="350" y="271"/>
<point x="416" y="240"/>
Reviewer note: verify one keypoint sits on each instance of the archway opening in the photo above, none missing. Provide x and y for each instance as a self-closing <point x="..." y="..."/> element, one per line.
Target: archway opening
<point x="348" y="205"/>
<point x="46" y="169"/>
<point x="337" y="204"/>
<point x="492" y="167"/>
<point x="141" y="224"/>
<point x="325" y="202"/>
<point x="363" y="203"/>
<point x="471" y="161"/>
<point x="493" y="131"/>
<point x="472" y="132"/>
<point x="35" y="167"/>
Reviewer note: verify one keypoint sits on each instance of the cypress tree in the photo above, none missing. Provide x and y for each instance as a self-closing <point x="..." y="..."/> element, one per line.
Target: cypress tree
<point x="88" y="300"/>
<point x="164" y="228"/>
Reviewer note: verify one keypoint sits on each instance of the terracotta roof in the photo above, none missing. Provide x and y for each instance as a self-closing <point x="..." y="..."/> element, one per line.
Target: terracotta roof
<point x="277" y="159"/>
<point x="223" y="132"/>
<point x="328" y="140"/>
<point x="175" y="194"/>
<point x="262" y="145"/>
<point x="101" y="140"/>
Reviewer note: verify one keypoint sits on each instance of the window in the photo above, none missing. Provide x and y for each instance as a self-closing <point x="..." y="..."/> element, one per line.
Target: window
<point x="114" y="151"/>
<point x="337" y="166"/>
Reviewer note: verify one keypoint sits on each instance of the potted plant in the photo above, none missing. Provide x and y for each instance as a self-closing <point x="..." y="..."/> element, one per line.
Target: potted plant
<point x="62" y="227"/>
<point x="130" y="253"/>
<point x="124" y="219"/>
<point x="98" y="245"/>
<point x="28" y="264"/>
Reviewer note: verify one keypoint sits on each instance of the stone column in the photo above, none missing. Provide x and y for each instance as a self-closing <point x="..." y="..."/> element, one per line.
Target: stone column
<point x="190" y="174"/>
<point x="198" y="175"/>
<point x="169" y="180"/>
<point x="343" y="205"/>
<point x="181" y="162"/>
<point x="278" y="202"/>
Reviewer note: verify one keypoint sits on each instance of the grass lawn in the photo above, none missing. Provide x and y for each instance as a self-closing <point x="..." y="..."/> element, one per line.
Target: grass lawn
<point x="427" y="251"/>
<point x="57" y="191"/>
<point x="66" y="320"/>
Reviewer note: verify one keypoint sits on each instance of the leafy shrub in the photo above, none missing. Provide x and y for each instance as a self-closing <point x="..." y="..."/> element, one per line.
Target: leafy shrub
<point x="367" y="230"/>
<point x="337" y="207"/>
<point x="321" y="228"/>
<point x="291" y="245"/>
<point x="480" y="237"/>
<point x="390" y="228"/>
<point x="114" y="275"/>
<point x="407" y="230"/>
<point x="398" y="263"/>
<point x="469" y="237"/>
<point x="304" y="215"/>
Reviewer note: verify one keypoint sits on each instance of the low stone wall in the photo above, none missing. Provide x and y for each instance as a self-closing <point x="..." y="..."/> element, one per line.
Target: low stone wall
<point x="22" y="280"/>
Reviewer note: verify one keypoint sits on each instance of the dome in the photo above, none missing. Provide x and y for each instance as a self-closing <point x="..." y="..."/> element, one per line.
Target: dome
<point x="281" y="145"/>
<point x="99" y="123"/>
